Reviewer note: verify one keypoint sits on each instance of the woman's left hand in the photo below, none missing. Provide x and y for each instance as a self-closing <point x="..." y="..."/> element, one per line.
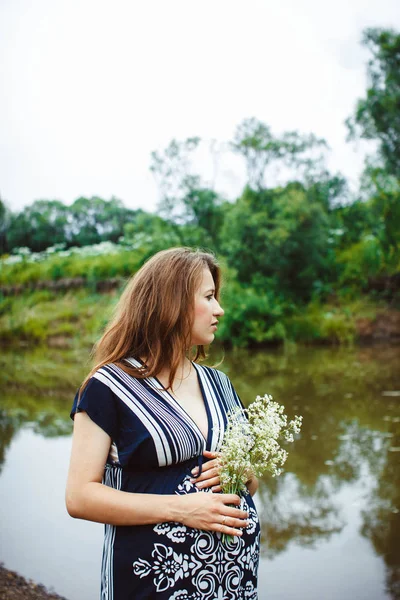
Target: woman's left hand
<point x="209" y="477"/>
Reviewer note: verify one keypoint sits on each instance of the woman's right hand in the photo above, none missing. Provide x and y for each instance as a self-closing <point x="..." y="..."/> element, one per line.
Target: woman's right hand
<point x="213" y="512"/>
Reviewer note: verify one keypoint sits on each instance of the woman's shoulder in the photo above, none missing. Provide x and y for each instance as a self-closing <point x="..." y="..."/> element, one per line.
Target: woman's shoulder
<point x="107" y="379"/>
<point x="117" y="368"/>
<point x="117" y="374"/>
<point x="104" y="374"/>
<point x="112" y="386"/>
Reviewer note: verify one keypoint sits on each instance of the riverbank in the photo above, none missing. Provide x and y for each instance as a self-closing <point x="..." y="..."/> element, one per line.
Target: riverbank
<point x="74" y="320"/>
<point x="16" y="587"/>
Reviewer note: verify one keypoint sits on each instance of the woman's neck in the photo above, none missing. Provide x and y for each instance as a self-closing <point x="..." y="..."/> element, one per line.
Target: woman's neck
<point x="183" y="372"/>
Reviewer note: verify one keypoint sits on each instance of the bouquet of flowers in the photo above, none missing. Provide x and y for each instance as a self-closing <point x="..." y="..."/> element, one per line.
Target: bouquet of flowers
<point x="251" y="443"/>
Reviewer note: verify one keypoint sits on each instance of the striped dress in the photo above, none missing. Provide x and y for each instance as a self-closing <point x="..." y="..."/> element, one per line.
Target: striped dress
<point x="155" y="445"/>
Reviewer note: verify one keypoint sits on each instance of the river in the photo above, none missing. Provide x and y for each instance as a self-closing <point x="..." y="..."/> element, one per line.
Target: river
<point x="330" y="522"/>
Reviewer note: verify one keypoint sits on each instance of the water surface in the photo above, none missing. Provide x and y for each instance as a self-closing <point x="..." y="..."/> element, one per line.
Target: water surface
<point x="330" y="523"/>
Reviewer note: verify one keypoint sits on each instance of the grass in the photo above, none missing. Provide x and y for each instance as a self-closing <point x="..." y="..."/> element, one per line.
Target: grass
<point x="333" y="323"/>
<point x="91" y="268"/>
<point x="74" y="319"/>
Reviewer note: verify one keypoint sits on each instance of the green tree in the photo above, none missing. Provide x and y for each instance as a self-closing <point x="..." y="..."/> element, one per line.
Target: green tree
<point x="385" y="210"/>
<point x="377" y="116"/>
<point x="204" y="211"/>
<point x="93" y="220"/>
<point x="185" y="201"/>
<point x="279" y="239"/>
<point x="19" y="231"/>
<point x="260" y="148"/>
<point x="151" y="230"/>
<point x="38" y="226"/>
<point x="172" y="171"/>
<point x="5" y="218"/>
<point x="329" y="190"/>
<point x="351" y="222"/>
<point x="48" y="222"/>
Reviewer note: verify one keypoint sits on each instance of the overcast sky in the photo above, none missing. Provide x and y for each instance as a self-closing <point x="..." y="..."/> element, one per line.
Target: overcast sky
<point x="90" y="88"/>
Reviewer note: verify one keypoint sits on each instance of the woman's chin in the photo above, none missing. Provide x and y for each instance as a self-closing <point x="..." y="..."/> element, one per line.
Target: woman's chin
<point x="205" y="341"/>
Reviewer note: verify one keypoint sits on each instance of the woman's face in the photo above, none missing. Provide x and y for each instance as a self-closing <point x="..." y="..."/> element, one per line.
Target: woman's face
<point x="206" y="311"/>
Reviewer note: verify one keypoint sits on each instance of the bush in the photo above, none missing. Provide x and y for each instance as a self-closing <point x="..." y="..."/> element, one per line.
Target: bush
<point x="360" y="262"/>
<point x="253" y="316"/>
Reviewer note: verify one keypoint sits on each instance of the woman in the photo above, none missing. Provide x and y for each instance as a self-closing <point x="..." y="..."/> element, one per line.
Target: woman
<point x="156" y="419"/>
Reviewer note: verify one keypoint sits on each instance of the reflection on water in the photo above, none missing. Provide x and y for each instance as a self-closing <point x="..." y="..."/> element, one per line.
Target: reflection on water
<point x="36" y="389"/>
<point x="342" y="472"/>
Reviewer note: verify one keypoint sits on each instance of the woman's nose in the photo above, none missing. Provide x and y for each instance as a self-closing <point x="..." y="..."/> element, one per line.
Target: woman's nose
<point x="219" y="310"/>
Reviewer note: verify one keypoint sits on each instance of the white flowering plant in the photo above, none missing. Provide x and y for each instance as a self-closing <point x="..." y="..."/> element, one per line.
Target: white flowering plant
<point x="251" y="444"/>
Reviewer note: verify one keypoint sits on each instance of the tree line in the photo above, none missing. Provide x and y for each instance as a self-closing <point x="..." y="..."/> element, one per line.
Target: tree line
<point x="50" y="222"/>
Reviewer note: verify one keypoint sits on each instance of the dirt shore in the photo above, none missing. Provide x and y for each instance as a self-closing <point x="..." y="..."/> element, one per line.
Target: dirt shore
<point x="16" y="587"/>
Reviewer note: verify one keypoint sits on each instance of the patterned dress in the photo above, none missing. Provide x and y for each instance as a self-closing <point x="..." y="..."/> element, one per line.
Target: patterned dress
<point x="155" y="445"/>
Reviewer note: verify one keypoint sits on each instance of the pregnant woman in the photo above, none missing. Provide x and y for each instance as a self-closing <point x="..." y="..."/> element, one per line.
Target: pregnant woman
<point x="148" y="423"/>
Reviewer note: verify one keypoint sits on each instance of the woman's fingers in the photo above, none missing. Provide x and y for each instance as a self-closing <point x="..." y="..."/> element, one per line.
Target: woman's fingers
<point x="228" y="510"/>
<point x="207" y="474"/>
<point x="235" y="514"/>
<point x="232" y="524"/>
<point x="218" y="512"/>
<point x="206" y="483"/>
<point x="209" y="454"/>
<point x="228" y="530"/>
<point x="210" y="472"/>
<point x="231" y="499"/>
<point x="210" y="464"/>
<point x="208" y="469"/>
<point x="236" y="523"/>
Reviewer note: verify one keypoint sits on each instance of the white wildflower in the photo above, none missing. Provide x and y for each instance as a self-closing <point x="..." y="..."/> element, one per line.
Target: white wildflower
<point x="251" y="443"/>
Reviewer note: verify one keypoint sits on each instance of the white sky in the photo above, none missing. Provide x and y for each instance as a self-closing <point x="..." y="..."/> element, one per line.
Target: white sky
<point x="90" y="87"/>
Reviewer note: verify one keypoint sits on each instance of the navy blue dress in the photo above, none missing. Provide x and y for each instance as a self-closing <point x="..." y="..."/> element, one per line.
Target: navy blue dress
<point x="155" y="445"/>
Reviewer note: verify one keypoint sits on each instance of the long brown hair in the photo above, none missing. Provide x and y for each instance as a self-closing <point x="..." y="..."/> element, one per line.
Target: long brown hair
<point x="154" y="316"/>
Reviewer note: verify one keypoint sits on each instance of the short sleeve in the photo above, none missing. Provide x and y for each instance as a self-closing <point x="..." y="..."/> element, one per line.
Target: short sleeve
<point x="99" y="402"/>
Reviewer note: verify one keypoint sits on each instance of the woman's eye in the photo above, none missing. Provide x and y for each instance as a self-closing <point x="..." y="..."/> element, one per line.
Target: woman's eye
<point x="210" y="297"/>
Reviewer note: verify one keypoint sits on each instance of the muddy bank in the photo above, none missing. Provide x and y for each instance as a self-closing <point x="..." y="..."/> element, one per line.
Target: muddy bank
<point x="65" y="284"/>
<point x="16" y="587"/>
<point x="385" y="327"/>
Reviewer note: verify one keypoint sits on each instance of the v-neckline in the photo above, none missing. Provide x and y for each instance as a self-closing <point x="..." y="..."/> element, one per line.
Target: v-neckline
<point x="161" y="388"/>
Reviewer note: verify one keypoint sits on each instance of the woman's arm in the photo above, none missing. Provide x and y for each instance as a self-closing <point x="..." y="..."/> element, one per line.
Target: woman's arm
<point x="87" y="498"/>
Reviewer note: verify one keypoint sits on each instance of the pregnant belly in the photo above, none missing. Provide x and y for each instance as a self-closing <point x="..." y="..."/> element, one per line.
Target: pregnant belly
<point x="170" y="558"/>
